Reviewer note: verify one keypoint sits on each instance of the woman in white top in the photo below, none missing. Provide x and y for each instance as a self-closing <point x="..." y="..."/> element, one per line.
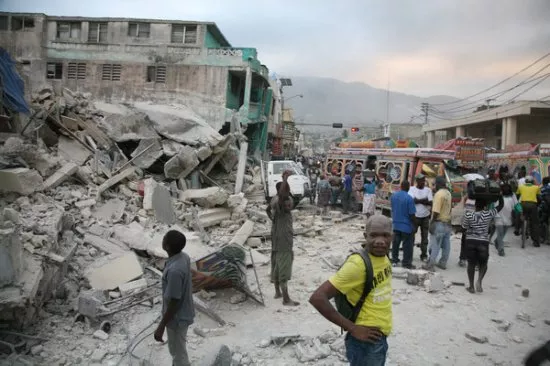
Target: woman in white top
<point x="504" y="217"/>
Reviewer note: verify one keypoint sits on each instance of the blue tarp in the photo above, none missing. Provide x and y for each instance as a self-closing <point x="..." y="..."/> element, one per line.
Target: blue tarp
<point x="13" y="86"/>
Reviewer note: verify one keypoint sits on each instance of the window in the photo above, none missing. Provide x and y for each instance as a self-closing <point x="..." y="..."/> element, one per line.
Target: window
<point x="76" y="71"/>
<point x="186" y="34"/>
<point x="156" y="74"/>
<point x="235" y="84"/>
<point x="68" y="30"/>
<point x="140" y="30"/>
<point x="111" y="72"/>
<point x="3" y="22"/>
<point x="54" y="70"/>
<point x="498" y="129"/>
<point x="22" y="23"/>
<point x="97" y="33"/>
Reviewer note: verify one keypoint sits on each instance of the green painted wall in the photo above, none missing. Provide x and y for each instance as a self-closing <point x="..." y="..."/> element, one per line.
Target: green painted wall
<point x="268" y="102"/>
<point x="210" y="41"/>
<point x="232" y="99"/>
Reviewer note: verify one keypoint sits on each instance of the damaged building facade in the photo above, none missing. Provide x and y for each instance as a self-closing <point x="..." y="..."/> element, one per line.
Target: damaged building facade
<point x="164" y="61"/>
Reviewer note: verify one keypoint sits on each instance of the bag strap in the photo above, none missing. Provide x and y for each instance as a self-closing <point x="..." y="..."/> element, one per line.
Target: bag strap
<point x="369" y="277"/>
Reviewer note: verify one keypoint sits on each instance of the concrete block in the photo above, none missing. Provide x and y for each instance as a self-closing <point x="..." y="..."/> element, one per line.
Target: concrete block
<point x="20" y="180"/>
<point x="243" y="233"/>
<point x="149" y="185"/>
<point x="162" y="205"/>
<point x="220" y="358"/>
<point x="110" y="211"/>
<point x="88" y="305"/>
<point x="130" y="287"/>
<point x="114" y="270"/>
<point x="10" y="256"/>
<point x="115" y="179"/>
<point x="182" y="164"/>
<point x="147" y="152"/>
<point x="213" y="216"/>
<point x="103" y="244"/>
<point x="204" y="152"/>
<point x="207" y="197"/>
<point x="171" y="148"/>
<point x="254" y="242"/>
<point x="72" y="151"/>
<point x="98" y="355"/>
<point x="86" y="203"/>
<point x="60" y="176"/>
<point x="235" y="200"/>
<point x="434" y="284"/>
<point x="99" y="334"/>
<point x="229" y="159"/>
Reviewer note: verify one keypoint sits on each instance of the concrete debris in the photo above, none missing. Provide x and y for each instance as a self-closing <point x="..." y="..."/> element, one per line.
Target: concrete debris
<point x="213" y="216"/>
<point x="523" y="317"/>
<point x="222" y="357"/>
<point x="204" y="152"/>
<point x="171" y="148"/>
<point x="312" y="352"/>
<point x="88" y="304"/>
<point x="147" y="153"/>
<point x="72" y="151"/>
<point x="207" y="197"/>
<point x="243" y="234"/>
<point x="110" y="211"/>
<point x="241" y="167"/>
<point x="103" y="244"/>
<point x="109" y="272"/>
<point x="20" y="180"/>
<point x="10" y="255"/>
<point x="115" y="179"/>
<point x="98" y="355"/>
<point x="99" y="334"/>
<point x="434" y="283"/>
<point x="122" y="124"/>
<point x="237" y="299"/>
<point x="525" y="292"/>
<point x="476" y="337"/>
<point x="229" y="159"/>
<point x="182" y="164"/>
<point x="162" y="205"/>
<point x="60" y="176"/>
<point x="417" y="277"/>
<point x="133" y="235"/>
<point x="254" y="242"/>
<point x="86" y="203"/>
<point x="130" y="287"/>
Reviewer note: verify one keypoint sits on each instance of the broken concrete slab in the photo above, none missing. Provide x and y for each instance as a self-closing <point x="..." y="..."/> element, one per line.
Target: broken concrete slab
<point x="171" y="148"/>
<point x="124" y="124"/>
<point x="207" y="197"/>
<point x="204" y="152"/>
<point x="182" y="164"/>
<point x="103" y="244"/>
<point x="110" y="272"/>
<point x="230" y="158"/>
<point x="222" y="357"/>
<point x="133" y="235"/>
<point x="132" y="286"/>
<point x="147" y="153"/>
<point x="180" y="124"/>
<point x="115" y="179"/>
<point x="149" y="185"/>
<point x="213" y="216"/>
<point x="162" y="205"/>
<point x="110" y="211"/>
<point x="242" y="235"/>
<point x="60" y="176"/>
<point x="20" y="180"/>
<point x="85" y="203"/>
<point x="72" y="151"/>
<point x="434" y="283"/>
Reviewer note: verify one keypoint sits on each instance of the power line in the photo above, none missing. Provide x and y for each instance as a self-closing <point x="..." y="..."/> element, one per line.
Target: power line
<point x="497" y="84"/>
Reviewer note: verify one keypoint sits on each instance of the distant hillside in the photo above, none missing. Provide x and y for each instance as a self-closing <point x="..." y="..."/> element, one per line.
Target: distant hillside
<point x="329" y="100"/>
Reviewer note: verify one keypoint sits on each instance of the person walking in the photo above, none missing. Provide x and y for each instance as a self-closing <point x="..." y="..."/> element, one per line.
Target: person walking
<point x="529" y="197"/>
<point x="366" y="338"/>
<point x="282" y="240"/>
<point x="476" y="224"/>
<point x="469" y="205"/>
<point x="369" y="194"/>
<point x="347" y="193"/>
<point x="504" y="218"/>
<point x="403" y="217"/>
<point x="440" y="226"/>
<point x="178" y="311"/>
<point x="336" y="187"/>
<point x="324" y="193"/>
<point x="423" y="198"/>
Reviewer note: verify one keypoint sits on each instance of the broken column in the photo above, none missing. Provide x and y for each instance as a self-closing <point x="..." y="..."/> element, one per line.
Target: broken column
<point x="182" y="164"/>
<point x="241" y="167"/>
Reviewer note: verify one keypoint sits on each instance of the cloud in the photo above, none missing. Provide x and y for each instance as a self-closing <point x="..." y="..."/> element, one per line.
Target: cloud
<point x="454" y="47"/>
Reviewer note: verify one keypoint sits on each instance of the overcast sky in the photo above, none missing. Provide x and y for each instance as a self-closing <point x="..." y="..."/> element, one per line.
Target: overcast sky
<point x="427" y="47"/>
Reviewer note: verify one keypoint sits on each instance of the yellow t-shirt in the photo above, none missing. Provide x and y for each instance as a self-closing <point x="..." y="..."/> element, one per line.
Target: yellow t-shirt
<point x="528" y="192"/>
<point x="350" y="281"/>
<point x="442" y="204"/>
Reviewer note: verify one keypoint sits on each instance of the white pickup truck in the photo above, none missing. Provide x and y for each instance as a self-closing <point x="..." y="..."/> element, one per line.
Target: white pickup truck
<point x="272" y="173"/>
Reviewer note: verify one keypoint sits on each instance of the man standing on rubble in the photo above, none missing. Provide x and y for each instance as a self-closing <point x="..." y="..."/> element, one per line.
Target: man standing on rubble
<point x="178" y="311"/>
<point x="366" y="343"/>
<point x="282" y="238"/>
<point x="423" y="198"/>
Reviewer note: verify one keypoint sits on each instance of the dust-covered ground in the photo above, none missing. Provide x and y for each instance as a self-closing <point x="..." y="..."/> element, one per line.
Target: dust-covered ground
<point x="429" y="328"/>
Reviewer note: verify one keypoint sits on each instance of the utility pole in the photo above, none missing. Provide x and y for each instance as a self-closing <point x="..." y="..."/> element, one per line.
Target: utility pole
<point x="425" y="107"/>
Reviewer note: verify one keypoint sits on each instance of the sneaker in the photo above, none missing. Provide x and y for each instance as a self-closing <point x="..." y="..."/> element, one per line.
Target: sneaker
<point x="409" y="266"/>
<point x="441" y="265"/>
<point x="462" y="263"/>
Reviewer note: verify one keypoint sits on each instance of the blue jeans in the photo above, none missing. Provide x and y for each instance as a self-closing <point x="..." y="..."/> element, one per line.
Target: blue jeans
<point x="366" y="354"/>
<point x="440" y="239"/>
<point x="499" y="241"/>
<point x="408" y="244"/>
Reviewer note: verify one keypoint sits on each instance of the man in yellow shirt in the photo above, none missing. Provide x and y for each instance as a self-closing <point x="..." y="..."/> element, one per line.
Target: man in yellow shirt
<point x="529" y="198"/>
<point x="366" y="343"/>
<point x="440" y="226"/>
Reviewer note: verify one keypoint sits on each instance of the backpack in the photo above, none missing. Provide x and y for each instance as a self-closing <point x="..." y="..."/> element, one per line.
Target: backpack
<point x="344" y="307"/>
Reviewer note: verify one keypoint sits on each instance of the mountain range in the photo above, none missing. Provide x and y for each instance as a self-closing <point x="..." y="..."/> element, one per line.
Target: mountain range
<point x="328" y="100"/>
